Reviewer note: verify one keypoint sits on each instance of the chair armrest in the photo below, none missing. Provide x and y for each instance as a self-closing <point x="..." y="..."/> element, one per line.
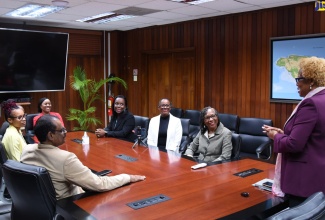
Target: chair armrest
<point x="184" y="145"/>
<point x="264" y="146"/>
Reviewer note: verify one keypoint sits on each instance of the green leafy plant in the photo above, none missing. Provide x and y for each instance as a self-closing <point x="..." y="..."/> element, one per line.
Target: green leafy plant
<point x="89" y="92"/>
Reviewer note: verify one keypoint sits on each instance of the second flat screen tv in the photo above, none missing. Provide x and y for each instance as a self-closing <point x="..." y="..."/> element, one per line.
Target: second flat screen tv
<point x="32" y="61"/>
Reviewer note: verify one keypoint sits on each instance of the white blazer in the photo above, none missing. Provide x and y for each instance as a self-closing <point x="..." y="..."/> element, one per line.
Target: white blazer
<point x="174" y="132"/>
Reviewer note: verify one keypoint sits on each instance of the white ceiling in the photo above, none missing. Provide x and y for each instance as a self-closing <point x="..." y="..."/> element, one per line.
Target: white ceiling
<point x="170" y="12"/>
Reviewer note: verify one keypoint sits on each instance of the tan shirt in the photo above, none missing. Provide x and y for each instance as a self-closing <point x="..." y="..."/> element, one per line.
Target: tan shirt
<point x="67" y="172"/>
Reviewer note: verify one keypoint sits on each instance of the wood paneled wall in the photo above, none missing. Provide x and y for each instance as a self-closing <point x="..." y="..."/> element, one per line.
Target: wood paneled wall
<point x="232" y="58"/>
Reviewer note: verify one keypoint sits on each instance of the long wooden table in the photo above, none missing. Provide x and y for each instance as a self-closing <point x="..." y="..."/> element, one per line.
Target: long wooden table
<point x="213" y="192"/>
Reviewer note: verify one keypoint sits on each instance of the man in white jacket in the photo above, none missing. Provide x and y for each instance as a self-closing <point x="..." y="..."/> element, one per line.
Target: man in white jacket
<point x="165" y="130"/>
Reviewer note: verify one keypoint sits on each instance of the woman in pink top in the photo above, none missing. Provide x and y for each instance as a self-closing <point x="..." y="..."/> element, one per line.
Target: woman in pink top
<point x="44" y="108"/>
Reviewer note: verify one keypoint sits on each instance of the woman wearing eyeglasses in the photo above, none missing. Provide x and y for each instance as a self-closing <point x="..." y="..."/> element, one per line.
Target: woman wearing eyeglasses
<point x="301" y="144"/>
<point x="122" y="123"/>
<point x="13" y="139"/>
<point x="165" y="130"/>
<point x="44" y="108"/>
<point x="213" y="142"/>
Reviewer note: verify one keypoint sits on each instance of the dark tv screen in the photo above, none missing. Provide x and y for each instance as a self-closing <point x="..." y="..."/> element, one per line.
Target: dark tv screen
<point x="32" y="61"/>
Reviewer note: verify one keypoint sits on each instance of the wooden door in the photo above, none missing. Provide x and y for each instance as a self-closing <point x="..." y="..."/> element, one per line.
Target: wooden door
<point x="171" y="75"/>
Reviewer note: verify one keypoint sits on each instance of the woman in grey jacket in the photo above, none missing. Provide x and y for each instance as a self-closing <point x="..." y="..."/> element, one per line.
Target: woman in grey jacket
<point x="213" y="142"/>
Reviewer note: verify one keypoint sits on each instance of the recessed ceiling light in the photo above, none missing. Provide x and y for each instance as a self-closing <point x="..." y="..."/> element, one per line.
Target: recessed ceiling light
<point x="60" y="3"/>
<point x="105" y="18"/>
<point x="35" y="11"/>
<point x="192" y="2"/>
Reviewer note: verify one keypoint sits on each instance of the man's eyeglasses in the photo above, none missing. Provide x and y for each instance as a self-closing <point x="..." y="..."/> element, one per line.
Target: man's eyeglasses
<point x="298" y="79"/>
<point x="63" y="130"/>
<point x="209" y="116"/>
<point x="118" y="104"/>
<point x="20" y="117"/>
<point x="164" y="106"/>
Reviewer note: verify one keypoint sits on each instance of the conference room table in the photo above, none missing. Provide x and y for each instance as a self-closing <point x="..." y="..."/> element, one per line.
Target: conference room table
<point x="173" y="189"/>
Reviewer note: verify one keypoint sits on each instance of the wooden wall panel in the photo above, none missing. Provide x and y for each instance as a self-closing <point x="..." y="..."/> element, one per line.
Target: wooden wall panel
<point x="232" y="57"/>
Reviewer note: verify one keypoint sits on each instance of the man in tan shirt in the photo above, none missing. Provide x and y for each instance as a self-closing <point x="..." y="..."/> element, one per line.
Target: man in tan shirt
<point x="67" y="172"/>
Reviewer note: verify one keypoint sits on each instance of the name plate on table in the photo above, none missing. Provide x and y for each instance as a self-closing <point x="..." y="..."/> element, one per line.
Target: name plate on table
<point x="126" y="157"/>
<point x="147" y="202"/>
<point x="248" y="172"/>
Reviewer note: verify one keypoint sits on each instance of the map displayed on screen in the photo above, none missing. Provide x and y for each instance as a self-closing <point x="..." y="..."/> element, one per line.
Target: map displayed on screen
<point x="286" y="54"/>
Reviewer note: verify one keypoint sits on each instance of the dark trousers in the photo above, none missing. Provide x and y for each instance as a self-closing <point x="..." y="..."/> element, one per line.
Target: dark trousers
<point x="295" y="200"/>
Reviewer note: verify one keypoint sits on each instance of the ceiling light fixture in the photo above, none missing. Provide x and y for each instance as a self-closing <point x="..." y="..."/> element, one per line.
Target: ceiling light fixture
<point x="35" y="11"/>
<point x="60" y="3"/>
<point x="192" y="2"/>
<point x="105" y="18"/>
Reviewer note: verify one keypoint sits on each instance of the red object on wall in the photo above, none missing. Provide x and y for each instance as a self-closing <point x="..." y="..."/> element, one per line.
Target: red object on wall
<point x="110" y="102"/>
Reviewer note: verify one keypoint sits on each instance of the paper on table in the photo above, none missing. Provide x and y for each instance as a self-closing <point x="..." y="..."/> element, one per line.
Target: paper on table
<point x="259" y="184"/>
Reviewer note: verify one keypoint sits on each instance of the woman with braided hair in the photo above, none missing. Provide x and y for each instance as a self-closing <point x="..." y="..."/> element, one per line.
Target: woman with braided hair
<point x="13" y="139"/>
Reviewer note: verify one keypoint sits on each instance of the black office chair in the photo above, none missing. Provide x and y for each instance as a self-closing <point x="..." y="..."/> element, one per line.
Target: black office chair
<point x="230" y="121"/>
<point x="29" y="128"/>
<point x="185" y="136"/>
<point x="177" y="112"/>
<point x="194" y="116"/>
<point x="312" y="208"/>
<point x="29" y="124"/>
<point x="236" y="142"/>
<point x="3" y="129"/>
<point x="143" y="122"/>
<point x="255" y="143"/>
<point x="5" y="202"/>
<point x="31" y="190"/>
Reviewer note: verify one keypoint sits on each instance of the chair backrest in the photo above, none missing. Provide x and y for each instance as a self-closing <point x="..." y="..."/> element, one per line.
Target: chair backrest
<point x="31" y="190"/>
<point x="236" y="142"/>
<point x="177" y="112"/>
<point x="194" y="116"/>
<point x="143" y="122"/>
<point x="312" y="208"/>
<point x="230" y="121"/>
<point x="3" y="155"/>
<point x="3" y="129"/>
<point x="29" y="124"/>
<point x="185" y="136"/>
<point x="252" y="136"/>
<point x="3" y="159"/>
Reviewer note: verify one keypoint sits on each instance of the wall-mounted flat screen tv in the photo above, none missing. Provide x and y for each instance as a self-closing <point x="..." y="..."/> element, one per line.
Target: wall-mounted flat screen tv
<point x="286" y="53"/>
<point x="32" y="61"/>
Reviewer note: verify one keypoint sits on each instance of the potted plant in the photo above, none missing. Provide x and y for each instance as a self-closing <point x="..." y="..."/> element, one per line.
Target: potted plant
<point x="89" y="92"/>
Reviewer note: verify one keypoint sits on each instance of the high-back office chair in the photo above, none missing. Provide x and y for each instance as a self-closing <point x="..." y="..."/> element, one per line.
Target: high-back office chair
<point x="29" y="124"/>
<point x="177" y="112"/>
<point x="236" y="142"/>
<point x="255" y="143"/>
<point x="312" y="208"/>
<point x="3" y="129"/>
<point x="5" y="203"/>
<point x="143" y="122"/>
<point x="29" y="128"/>
<point x="31" y="190"/>
<point x="230" y="121"/>
<point x="185" y="136"/>
<point x="194" y="116"/>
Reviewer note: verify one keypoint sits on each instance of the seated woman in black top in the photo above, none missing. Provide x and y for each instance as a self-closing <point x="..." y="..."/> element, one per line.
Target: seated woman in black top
<point x="122" y="123"/>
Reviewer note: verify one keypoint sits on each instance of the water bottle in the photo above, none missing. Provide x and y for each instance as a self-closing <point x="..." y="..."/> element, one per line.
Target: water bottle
<point x="85" y="138"/>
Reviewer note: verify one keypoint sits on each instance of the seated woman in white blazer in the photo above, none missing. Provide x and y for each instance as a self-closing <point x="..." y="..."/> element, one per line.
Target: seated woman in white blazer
<point x="165" y="130"/>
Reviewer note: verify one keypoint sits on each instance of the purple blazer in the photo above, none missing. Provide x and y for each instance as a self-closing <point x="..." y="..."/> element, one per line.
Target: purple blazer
<point x="303" y="148"/>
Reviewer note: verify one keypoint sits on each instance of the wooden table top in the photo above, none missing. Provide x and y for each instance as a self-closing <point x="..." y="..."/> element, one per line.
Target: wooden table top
<point x="207" y="193"/>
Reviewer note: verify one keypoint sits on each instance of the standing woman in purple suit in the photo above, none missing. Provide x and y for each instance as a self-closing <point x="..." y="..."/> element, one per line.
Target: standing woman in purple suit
<point x="301" y="144"/>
